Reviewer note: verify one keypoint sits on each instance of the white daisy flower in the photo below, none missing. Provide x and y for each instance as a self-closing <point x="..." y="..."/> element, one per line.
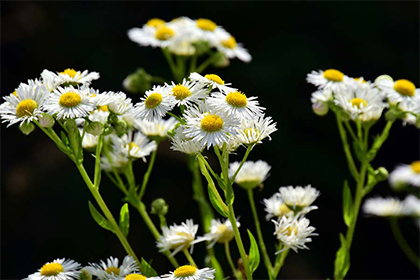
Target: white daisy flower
<point x="100" y="115"/>
<point x="115" y="102"/>
<point x="69" y="102"/>
<point x="189" y="272"/>
<point x="365" y="103"/>
<point x="59" y="269"/>
<point x="320" y="101"/>
<point x="209" y="31"/>
<point x="24" y="106"/>
<point x="255" y="130"/>
<point x="230" y="48"/>
<point x="157" y="35"/>
<point x="134" y="276"/>
<point x="113" y="160"/>
<point x="275" y="207"/>
<point x="156" y="129"/>
<point x="298" y="198"/>
<point x="111" y="268"/>
<point x="187" y="92"/>
<point x="398" y="91"/>
<point x="330" y="79"/>
<point x="211" y="80"/>
<point x="236" y="103"/>
<point x="73" y="77"/>
<point x="220" y="232"/>
<point x="412" y="205"/>
<point x="178" y="237"/>
<point x="251" y="175"/>
<point x="385" y="207"/>
<point x="182" y="144"/>
<point x="133" y="145"/>
<point x="156" y="103"/>
<point x="405" y="174"/>
<point x="50" y="80"/>
<point x="412" y="109"/>
<point x="209" y="128"/>
<point x="293" y="232"/>
<point x="89" y="141"/>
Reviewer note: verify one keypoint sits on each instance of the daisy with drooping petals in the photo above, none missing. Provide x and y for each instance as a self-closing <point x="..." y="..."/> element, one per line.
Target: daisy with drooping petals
<point x="385" y="207"/>
<point x="50" y="80"/>
<point x="330" y="79"/>
<point x="89" y="141"/>
<point x="255" y="130"/>
<point x="189" y="272"/>
<point x="293" y="232"/>
<point x="156" y="129"/>
<point x="25" y="105"/>
<point x="187" y="92"/>
<point x="115" y="102"/>
<point x="178" y="237"/>
<point x="156" y="103"/>
<point x="59" y="269"/>
<point x="405" y="174"/>
<point x="220" y="232"/>
<point x="399" y="91"/>
<point x="299" y="198"/>
<point x="211" y="80"/>
<point x="70" y="103"/>
<point x="230" y="48"/>
<point x="111" y="268"/>
<point x="133" y="145"/>
<point x="251" y="175"/>
<point x="275" y="207"/>
<point x="182" y="144"/>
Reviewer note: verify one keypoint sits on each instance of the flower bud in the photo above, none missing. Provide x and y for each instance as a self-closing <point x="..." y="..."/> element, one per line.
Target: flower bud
<point x="46" y="120"/>
<point x="84" y="275"/>
<point x="383" y="77"/>
<point x="381" y="174"/>
<point x="94" y="128"/>
<point x="138" y="82"/>
<point x="201" y="47"/>
<point x="121" y="127"/>
<point x="26" y="128"/>
<point x="392" y="114"/>
<point x="70" y="124"/>
<point x="321" y="109"/>
<point x="220" y="60"/>
<point x="159" y="207"/>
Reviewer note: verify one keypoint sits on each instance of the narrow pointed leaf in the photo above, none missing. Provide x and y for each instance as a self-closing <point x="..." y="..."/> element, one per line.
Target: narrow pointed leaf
<point x="124" y="219"/>
<point x="99" y="218"/>
<point x="254" y="254"/>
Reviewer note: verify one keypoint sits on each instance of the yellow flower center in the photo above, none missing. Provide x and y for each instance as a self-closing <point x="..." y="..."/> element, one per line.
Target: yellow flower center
<point x="153" y="100"/>
<point x="291" y="230"/>
<point x="185" y="234"/>
<point x="358" y="102"/>
<point x="283" y="209"/>
<point x="164" y="33"/>
<point x="14" y="93"/>
<point x="155" y="22"/>
<point x="26" y="107"/>
<point x="224" y="234"/>
<point x="211" y="123"/>
<point x="214" y="78"/>
<point x="104" y="108"/>
<point x="415" y="166"/>
<point x="333" y="75"/>
<point x="70" y="99"/>
<point x="135" y="276"/>
<point x="405" y="87"/>
<point x="229" y="43"/>
<point x="133" y="145"/>
<point x="51" y="269"/>
<point x="237" y="99"/>
<point x="181" y="92"/>
<point x="185" y="270"/>
<point x="206" y="24"/>
<point x="360" y="80"/>
<point x="113" y="270"/>
<point x="69" y="71"/>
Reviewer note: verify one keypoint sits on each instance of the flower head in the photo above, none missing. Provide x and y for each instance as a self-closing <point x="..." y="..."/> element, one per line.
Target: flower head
<point x="405" y="174"/>
<point x="275" y="207"/>
<point x="111" y="268"/>
<point x="330" y="79"/>
<point x="220" y="232"/>
<point x="156" y="103"/>
<point x="59" y="269"/>
<point x="299" y="198"/>
<point x="251" y="175"/>
<point x="385" y="207"/>
<point x="189" y="272"/>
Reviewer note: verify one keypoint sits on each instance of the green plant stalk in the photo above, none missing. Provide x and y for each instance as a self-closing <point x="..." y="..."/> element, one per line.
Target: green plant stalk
<point x="402" y="243"/>
<point x="248" y="150"/>
<point x="261" y="244"/>
<point x="347" y="151"/>
<point x="148" y="172"/>
<point x="171" y="63"/>
<point x="279" y="264"/>
<point x="235" y="272"/>
<point x="206" y="63"/>
<point x="189" y="257"/>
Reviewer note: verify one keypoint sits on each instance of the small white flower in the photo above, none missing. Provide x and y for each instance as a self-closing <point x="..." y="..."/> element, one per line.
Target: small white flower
<point x="320" y="101"/>
<point x="111" y="268"/>
<point x="275" y="207"/>
<point x="155" y="129"/>
<point x="230" y="48"/>
<point x="89" y="141"/>
<point x="213" y="81"/>
<point x="293" y="232"/>
<point x="385" y="207"/>
<point x="115" y="102"/>
<point x="399" y="91"/>
<point x="155" y="34"/>
<point x="178" y="237"/>
<point x="330" y="79"/>
<point x="156" y="103"/>
<point x="255" y="130"/>
<point x="69" y="102"/>
<point x="50" y="80"/>
<point x="251" y="175"/>
<point x="299" y="198"/>
<point x="187" y="92"/>
<point x="189" y="272"/>
<point x="184" y="145"/>
<point x="220" y="232"/>
<point x="73" y="77"/>
<point x="133" y="145"/>
<point x="412" y="205"/>
<point x="405" y="174"/>
<point x="59" y="269"/>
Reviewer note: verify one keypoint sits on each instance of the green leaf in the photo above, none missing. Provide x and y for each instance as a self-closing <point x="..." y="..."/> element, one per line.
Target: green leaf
<point x="254" y="254"/>
<point x="230" y="195"/>
<point x="64" y="138"/>
<point x="216" y="203"/>
<point x="99" y="218"/>
<point x="124" y="219"/>
<point x="347" y="205"/>
<point x="146" y="269"/>
<point x="342" y="259"/>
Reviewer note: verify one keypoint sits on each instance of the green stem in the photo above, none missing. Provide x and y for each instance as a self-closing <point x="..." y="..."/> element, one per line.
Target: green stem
<point x="248" y="150"/>
<point x="57" y="140"/>
<point x="148" y="172"/>
<point x="279" y="264"/>
<point x="97" y="177"/>
<point x="169" y="59"/>
<point x="350" y="130"/>
<point x="193" y="63"/>
<point x="206" y="63"/>
<point x="347" y="151"/>
<point x="229" y="258"/>
<point x="189" y="257"/>
<point x="377" y="144"/>
<point x="267" y="261"/>
<point x="176" y="117"/>
<point x="403" y="244"/>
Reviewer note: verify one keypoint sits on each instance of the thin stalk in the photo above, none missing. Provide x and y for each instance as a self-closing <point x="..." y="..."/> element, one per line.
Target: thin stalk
<point x="97" y="176"/>
<point x="148" y="172"/>
<point x="248" y="150"/>
<point x="189" y="257"/>
<point x="279" y="264"/>
<point x="229" y="259"/>
<point x="193" y="64"/>
<point x="403" y="244"/>
<point x="171" y="63"/>
<point x="206" y="63"/>
<point x="347" y="151"/>
<point x="267" y="261"/>
<point x="350" y="130"/>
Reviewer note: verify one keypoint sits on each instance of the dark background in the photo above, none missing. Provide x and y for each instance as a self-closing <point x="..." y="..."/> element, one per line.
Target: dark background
<point x="44" y="200"/>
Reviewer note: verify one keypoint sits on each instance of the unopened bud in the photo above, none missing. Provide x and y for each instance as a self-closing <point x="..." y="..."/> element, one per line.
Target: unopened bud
<point x="94" y="128"/>
<point x="220" y="60"/>
<point x="138" y="82"/>
<point x="121" y="127"/>
<point x="26" y="128"/>
<point x="46" y="120"/>
<point x="321" y="109"/>
<point x="70" y="124"/>
<point x="84" y="275"/>
<point x="381" y="174"/>
<point x="382" y="78"/>
<point x="159" y="207"/>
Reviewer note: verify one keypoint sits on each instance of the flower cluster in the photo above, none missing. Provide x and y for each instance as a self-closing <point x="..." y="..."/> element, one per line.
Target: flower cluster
<point x="363" y="100"/>
<point x="188" y="37"/>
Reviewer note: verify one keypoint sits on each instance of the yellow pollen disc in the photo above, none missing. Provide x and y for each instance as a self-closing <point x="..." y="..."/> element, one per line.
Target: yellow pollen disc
<point x="206" y="24"/>
<point x="333" y="75"/>
<point x="70" y="99"/>
<point x="229" y="43"/>
<point x="187" y="235"/>
<point x="155" y="22"/>
<point x="113" y="270"/>
<point x="104" y="108"/>
<point x="185" y="270"/>
<point x="51" y="269"/>
<point x="405" y="87"/>
<point x="26" y="107"/>
<point x="135" y="276"/>
<point x="290" y="230"/>
<point x="14" y="93"/>
<point x="153" y="100"/>
<point x="214" y="78"/>
<point x="358" y="102"/>
<point x="415" y="166"/>
<point x="237" y="99"/>
<point x="181" y="92"/>
<point x="164" y="33"/>
<point x="133" y="145"/>
<point x="283" y="209"/>
<point x="69" y="71"/>
<point x="211" y="123"/>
